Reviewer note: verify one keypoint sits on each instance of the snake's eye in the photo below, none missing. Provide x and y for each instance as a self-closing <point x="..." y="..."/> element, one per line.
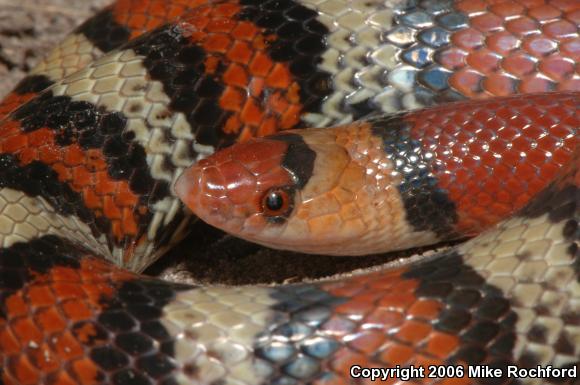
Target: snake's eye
<point x="276" y="202"/>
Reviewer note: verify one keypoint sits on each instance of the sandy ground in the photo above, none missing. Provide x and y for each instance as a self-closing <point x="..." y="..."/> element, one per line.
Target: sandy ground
<point x="28" y="29"/>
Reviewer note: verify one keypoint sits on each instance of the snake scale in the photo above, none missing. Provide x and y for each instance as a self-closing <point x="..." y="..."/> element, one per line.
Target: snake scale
<point x="106" y="149"/>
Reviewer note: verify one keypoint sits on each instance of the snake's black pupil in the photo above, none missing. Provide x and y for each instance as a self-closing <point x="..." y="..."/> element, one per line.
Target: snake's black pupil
<point x="274" y="201"/>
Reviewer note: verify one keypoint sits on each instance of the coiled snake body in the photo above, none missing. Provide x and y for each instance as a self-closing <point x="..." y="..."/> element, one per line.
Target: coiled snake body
<point x="93" y="141"/>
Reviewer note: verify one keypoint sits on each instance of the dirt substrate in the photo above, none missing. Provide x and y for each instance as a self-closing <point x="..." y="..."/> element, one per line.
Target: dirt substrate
<point x="28" y="29"/>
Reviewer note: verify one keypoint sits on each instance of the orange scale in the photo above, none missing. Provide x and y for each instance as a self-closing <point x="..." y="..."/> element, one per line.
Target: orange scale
<point x="15" y="143"/>
<point x="562" y="110"/>
<point x="251" y="113"/>
<point x="515" y="187"/>
<point x="500" y="84"/>
<point x="544" y="12"/>
<point x="562" y="157"/>
<point x="354" y="309"/>
<point x="466" y="82"/>
<point x="549" y="170"/>
<point x="539" y="46"/>
<point x="244" y="31"/>
<point x="468" y="225"/>
<point x="268" y="127"/>
<point x="484" y="199"/>
<point x="95" y="291"/>
<point x="291" y="117"/>
<point x="73" y="156"/>
<point x="493" y="186"/>
<point x="463" y="121"/>
<point x="217" y="43"/>
<point x="256" y="86"/>
<point x="535" y="83"/>
<point x="368" y="342"/>
<point x="76" y="310"/>
<point x="44" y="359"/>
<point x="471" y="6"/>
<point x="92" y="200"/>
<point x="104" y="184"/>
<point x="40" y="295"/>
<point x="65" y="290"/>
<point x="341" y="290"/>
<point x="232" y="126"/>
<point x="507" y="9"/>
<point x="26" y="331"/>
<point x="468" y="39"/>
<point x="22" y="369"/>
<point x="489" y="159"/>
<point x="261" y="64"/>
<point x="16" y="305"/>
<point x="487" y="22"/>
<point x="566" y="5"/>
<point x="461" y="178"/>
<point x="535" y="131"/>
<point x="128" y="222"/>
<point x="236" y="75"/>
<point x="227" y="10"/>
<point x="240" y="52"/>
<point x="472" y="160"/>
<point x="521" y="143"/>
<point x="442" y="345"/>
<point x="368" y="296"/>
<point x="384" y="318"/>
<point x="560" y="30"/>
<point x="81" y="177"/>
<point x="85" y="371"/>
<point x="400" y="285"/>
<point x="345" y="358"/>
<point x="13" y="101"/>
<point x="136" y="21"/>
<point x="571" y="49"/>
<point x="522" y="26"/>
<point x="499" y="207"/>
<point x="279" y="76"/>
<point x="397" y="301"/>
<point x="125" y="197"/>
<point x="278" y="103"/>
<point x="246" y="134"/>
<point x="414" y="332"/>
<point x="521" y="200"/>
<point x="502" y="42"/>
<point x="62" y="378"/>
<point x="573" y="16"/>
<point x="110" y="209"/>
<point x="452" y="58"/>
<point x="397" y="354"/>
<point x="537" y="156"/>
<point x="9" y="344"/>
<point x="537" y="184"/>
<point x="220" y="25"/>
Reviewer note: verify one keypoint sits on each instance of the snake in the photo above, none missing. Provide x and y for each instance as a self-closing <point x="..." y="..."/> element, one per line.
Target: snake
<point x="410" y="122"/>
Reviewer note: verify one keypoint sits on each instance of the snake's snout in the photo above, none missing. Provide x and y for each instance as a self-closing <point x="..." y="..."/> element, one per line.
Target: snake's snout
<point x="187" y="187"/>
<point x="227" y="189"/>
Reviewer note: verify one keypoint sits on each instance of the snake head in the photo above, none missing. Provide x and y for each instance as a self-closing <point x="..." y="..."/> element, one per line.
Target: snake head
<point x="315" y="191"/>
<point x="243" y="188"/>
<point x="285" y="191"/>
